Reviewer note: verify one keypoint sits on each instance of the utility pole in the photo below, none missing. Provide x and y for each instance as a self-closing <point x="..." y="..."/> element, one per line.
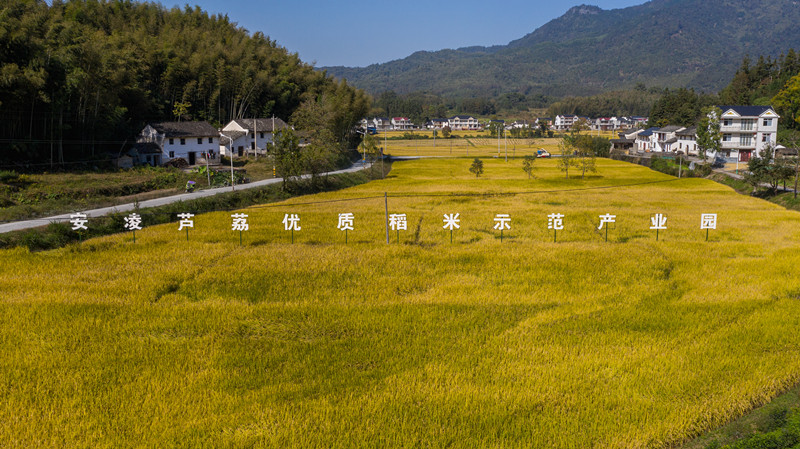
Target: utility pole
<point x="505" y="139"/>
<point x="255" y="137"/>
<point x="230" y="155"/>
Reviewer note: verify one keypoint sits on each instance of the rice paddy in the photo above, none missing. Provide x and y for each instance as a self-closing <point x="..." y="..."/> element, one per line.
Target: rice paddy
<point x="482" y="342"/>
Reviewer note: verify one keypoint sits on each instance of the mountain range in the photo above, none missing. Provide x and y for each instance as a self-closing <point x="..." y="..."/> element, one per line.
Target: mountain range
<point x="664" y="43"/>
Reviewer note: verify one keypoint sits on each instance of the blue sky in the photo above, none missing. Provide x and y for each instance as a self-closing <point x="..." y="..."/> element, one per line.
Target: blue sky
<point x="329" y="32"/>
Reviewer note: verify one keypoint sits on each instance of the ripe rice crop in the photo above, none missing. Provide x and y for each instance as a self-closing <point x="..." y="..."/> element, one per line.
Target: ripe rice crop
<point x="468" y="147"/>
<point x="629" y="343"/>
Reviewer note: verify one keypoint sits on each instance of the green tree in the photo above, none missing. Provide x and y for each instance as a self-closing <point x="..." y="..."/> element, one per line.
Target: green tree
<point x="288" y="159"/>
<point x="766" y="169"/>
<point x="709" y="137"/>
<point x="446" y="132"/>
<point x="527" y="165"/>
<point x="567" y="147"/>
<point x="180" y="109"/>
<point x="369" y="148"/>
<point x="787" y="102"/>
<point x="476" y="167"/>
<point x="584" y="151"/>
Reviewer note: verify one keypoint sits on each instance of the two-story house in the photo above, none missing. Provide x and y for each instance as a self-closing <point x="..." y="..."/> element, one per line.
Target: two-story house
<point x="645" y="140"/>
<point x="249" y="136"/>
<point x="160" y="142"/>
<point x="382" y="123"/>
<point x="687" y="140"/>
<point x="664" y="140"/>
<point x="606" y="124"/>
<point x="564" y="122"/>
<point x="401" y="123"/>
<point x="463" y="122"/>
<point x="747" y="130"/>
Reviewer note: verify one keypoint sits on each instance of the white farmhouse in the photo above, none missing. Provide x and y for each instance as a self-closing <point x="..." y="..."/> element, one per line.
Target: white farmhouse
<point x="664" y="139"/>
<point x="401" y="123"/>
<point x="564" y="122"/>
<point x="747" y="130"/>
<point x="162" y="142"/>
<point x="249" y="136"/>
<point x="463" y="122"/>
<point x="687" y="141"/>
<point x="382" y="124"/>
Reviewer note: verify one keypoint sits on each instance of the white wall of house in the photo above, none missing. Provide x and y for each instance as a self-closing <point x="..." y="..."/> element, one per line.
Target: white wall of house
<point x="744" y="136"/>
<point x="463" y="123"/>
<point x="247" y="143"/>
<point x="191" y="149"/>
<point x="687" y="144"/>
<point x="401" y="123"/>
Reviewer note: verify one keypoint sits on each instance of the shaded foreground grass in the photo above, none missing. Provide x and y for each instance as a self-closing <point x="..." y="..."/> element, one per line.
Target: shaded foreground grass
<point x="524" y="343"/>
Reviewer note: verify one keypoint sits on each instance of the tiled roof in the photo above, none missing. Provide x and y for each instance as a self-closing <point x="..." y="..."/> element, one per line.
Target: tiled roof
<point x="261" y="124"/>
<point x="185" y="129"/>
<point x="233" y="135"/>
<point x="746" y="111"/>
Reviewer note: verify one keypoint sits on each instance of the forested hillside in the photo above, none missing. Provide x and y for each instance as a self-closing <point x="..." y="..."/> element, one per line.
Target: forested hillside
<point x="666" y="43"/>
<point x="82" y="77"/>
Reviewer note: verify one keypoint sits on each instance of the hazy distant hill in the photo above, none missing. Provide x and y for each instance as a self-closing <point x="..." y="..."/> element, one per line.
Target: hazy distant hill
<point x="672" y="43"/>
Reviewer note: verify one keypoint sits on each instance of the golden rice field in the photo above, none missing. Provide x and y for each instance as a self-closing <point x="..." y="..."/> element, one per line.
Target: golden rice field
<point x="479" y="343"/>
<point x="469" y="147"/>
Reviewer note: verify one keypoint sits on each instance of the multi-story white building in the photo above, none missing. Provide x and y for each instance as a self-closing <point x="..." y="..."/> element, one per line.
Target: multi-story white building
<point x="606" y="124"/>
<point x="164" y="141"/>
<point x="249" y="136"/>
<point x="663" y="140"/>
<point x="564" y="122"/>
<point x="463" y="122"/>
<point x="645" y="140"/>
<point x="401" y="123"/>
<point x="747" y="130"/>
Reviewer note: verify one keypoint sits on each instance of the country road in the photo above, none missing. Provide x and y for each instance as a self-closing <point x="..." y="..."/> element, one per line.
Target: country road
<point x="35" y="223"/>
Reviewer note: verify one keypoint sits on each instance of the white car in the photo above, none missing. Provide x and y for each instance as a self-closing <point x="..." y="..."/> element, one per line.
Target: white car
<point x="541" y="152"/>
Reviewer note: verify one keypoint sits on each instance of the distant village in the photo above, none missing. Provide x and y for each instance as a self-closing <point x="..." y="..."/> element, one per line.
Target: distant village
<point x="746" y="131"/>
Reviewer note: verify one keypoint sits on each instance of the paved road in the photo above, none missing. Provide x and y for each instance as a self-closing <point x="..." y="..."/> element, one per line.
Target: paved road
<point x="27" y="224"/>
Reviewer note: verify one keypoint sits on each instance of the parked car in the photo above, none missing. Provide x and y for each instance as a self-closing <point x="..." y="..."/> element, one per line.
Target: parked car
<point x="541" y="152"/>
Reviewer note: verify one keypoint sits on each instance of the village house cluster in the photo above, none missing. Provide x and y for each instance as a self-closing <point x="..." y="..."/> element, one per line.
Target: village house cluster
<point x="746" y="132"/>
<point x="470" y="123"/>
<point x="198" y="142"/>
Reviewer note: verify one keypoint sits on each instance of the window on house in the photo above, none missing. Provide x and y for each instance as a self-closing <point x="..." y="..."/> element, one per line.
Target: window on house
<point x="183" y="141"/>
<point x="747" y="125"/>
<point x="210" y="140"/>
<point x="727" y="122"/>
<point x="765" y="138"/>
<point x="767" y="122"/>
<point x="727" y="138"/>
<point x="252" y="145"/>
<point x="199" y="140"/>
<point x="172" y="141"/>
<point x="262" y="135"/>
<point x="171" y="154"/>
<point x="746" y="140"/>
